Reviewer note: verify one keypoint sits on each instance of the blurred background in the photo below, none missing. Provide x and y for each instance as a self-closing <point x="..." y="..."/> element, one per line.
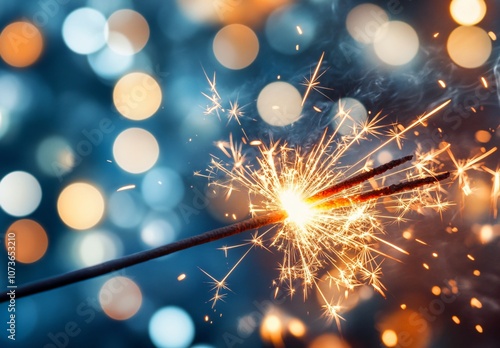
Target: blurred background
<point x="108" y="109"/>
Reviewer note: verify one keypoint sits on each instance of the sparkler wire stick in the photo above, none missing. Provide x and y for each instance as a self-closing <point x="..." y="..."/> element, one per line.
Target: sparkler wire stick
<point x="143" y="256"/>
<point x="230" y="230"/>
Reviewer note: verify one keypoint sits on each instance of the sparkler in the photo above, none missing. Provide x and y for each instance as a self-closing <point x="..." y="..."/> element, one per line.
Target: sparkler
<point x="324" y="212"/>
<point x="333" y="220"/>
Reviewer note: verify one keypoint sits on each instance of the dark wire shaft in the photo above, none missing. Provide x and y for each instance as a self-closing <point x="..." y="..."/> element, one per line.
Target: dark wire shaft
<point x="384" y="191"/>
<point x="358" y="179"/>
<point x="143" y="256"/>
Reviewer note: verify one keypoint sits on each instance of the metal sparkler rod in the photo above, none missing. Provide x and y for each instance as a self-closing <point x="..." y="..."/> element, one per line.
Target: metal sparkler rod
<point x="143" y="256"/>
<point x="236" y="228"/>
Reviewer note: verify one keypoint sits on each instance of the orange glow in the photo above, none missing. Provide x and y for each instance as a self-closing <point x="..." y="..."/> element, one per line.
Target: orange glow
<point x="137" y="96"/>
<point x="120" y="298"/>
<point x="436" y="290"/>
<point x="271" y="329"/>
<point x="328" y="341"/>
<point x="469" y="47"/>
<point x="296" y="328"/>
<point x="236" y="46"/>
<point x="127" y="32"/>
<point x="21" y="44"/>
<point x="468" y="12"/>
<point x="29" y="238"/>
<point x="483" y="136"/>
<point x="475" y="303"/>
<point x="249" y="12"/>
<point x="390" y="338"/>
<point x="80" y="206"/>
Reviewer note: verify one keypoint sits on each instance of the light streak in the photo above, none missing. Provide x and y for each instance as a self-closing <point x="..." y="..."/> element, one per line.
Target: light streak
<point x="313" y="82"/>
<point x="126" y="187"/>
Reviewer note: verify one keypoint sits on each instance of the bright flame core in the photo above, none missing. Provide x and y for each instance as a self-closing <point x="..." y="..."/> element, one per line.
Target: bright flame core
<point x="297" y="209"/>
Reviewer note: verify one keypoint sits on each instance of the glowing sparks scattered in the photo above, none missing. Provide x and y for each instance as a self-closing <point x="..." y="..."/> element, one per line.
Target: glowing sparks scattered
<point x="333" y="225"/>
<point x="233" y="112"/>
<point x="181" y="277"/>
<point x="442" y="83"/>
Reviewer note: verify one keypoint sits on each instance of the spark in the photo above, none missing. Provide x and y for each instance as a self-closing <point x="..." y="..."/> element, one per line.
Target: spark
<point x="442" y="83"/>
<point x="495" y="190"/>
<point x="463" y="166"/>
<point x="396" y="133"/>
<point x="313" y="82"/>
<point x="485" y="83"/>
<point x="235" y="111"/>
<point x="333" y="223"/>
<point x="126" y="187"/>
<point x="214" y="97"/>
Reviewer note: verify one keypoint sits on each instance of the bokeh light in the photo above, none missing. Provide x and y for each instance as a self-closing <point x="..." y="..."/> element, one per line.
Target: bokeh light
<point x="125" y="209"/>
<point x="108" y="64"/>
<point x="296" y="327"/>
<point x="389" y="338"/>
<point x="137" y="96"/>
<point x="396" y="43"/>
<point x="248" y="12"/>
<point x="83" y="30"/>
<point x="467" y="12"/>
<point x="162" y="189"/>
<point x="171" y="327"/>
<point x="55" y="157"/>
<point x="80" y="205"/>
<point x="328" y="341"/>
<point x="135" y="150"/>
<point x="199" y="10"/>
<point x="236" y="46"/>
<point x="96" y="247"/>
<point x="290" y="29"/>
<point x="21" y="44"/>
<point x="469" y="47"/>
<point x="157" y="232"/>
<point x="394" y="323"/>
<point x="30" y="240"/>
<point x="20" y="193"/>
<point x="120" y="298"/>
<point x="355" y="111"/>
<point x="127" y="32"/>
<point x="279" y="104"/>
<point x="483" y="136"/>
<point x="364" y="20"/>
<point x="271" y="328"/>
